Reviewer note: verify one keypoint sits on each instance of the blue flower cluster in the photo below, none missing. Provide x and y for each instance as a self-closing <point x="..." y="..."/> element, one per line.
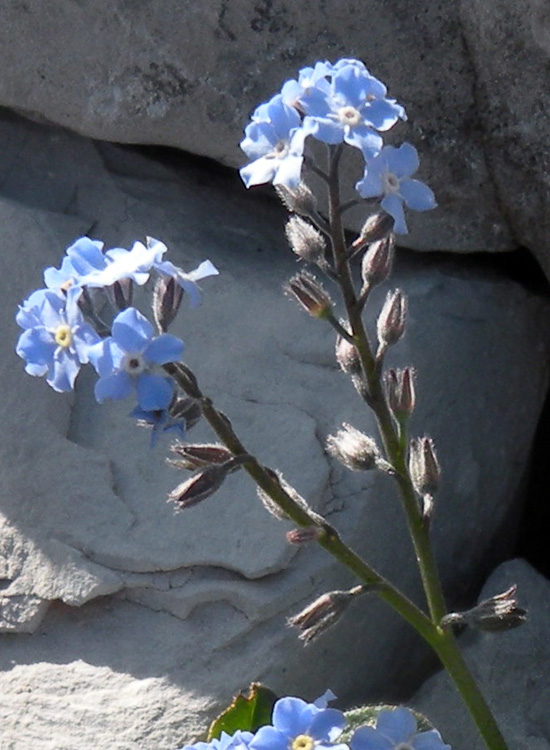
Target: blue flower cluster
<point x="63" y="330"/>
<point x="340" y="103"/>
<point x="297" y="725"/>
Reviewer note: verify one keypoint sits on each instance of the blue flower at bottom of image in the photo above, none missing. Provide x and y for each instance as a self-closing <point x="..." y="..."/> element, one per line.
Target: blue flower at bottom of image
<point x="298" y="725"/>
<point x="396" y="729"/>
<point x="125" y="362"/>
<point x="238" y="741"/>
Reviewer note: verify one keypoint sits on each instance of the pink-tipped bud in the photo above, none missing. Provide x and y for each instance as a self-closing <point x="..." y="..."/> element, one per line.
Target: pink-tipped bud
<point x="167" y="298"/>
<point x="391" y="322"/>
<point x="199" y="487"/>
<point x="346" y="355"/>
<point x="199" y="456"/>
<point x="123" y="293"/>
<point x="298" y="200"/>
<point x="424" y="466"/>
<point x="310" y="294"/>
<point x="306" y="241"/>
<point x="377" y="261"/>
<point x="323" y="613"/>
<point x="354" y="449"/>
<point x="304" y="535"/>
<point x="400" y="391"/>
<point x="500" y="612"/>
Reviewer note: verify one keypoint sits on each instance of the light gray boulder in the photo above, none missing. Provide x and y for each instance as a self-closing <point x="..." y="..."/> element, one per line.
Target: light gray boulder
<point x="512" y="668"/>
<point x="129" y="624"/>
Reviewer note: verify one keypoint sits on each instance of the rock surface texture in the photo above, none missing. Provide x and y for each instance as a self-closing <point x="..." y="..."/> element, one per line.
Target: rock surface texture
<point x="512" y="669"/>
<point x="473" y="76"/>
<point x="128" y="625"/>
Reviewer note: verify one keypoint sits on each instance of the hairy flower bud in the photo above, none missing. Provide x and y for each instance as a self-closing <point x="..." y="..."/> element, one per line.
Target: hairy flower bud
<point x="377" y="261"/>
<point x="306" y="241"/>
<point x="423" y="466"/>
<point x="310" y="294"/>
<point x="500" y="612"/>
<point x="167" y="298"/>
<point x="354" y="449"/>
<point x="400" y="392"/>
<point x="346" y="355"/>
<point x="271" y="506"/>
<point x="299" y="200"/>
<point x="186" y="408"/>
<point x="304" y="535"/>
<point x="200" y="486"/>
<point x="323" y="613"/>
<point x="123" y="293"/>
<point x="391" y="321"/>
<point x="199" y="455"/>
<point x="377" y="227"/>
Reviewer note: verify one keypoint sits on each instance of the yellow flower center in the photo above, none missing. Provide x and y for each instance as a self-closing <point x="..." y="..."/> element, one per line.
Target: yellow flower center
<point x="302" y="742"/>
<point x="63" y="336"/>
<point x="349" y="116"/>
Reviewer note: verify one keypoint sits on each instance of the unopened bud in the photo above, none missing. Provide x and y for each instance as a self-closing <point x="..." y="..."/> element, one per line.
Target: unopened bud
<point x="186" y="408"/>
<point x="123" y="293"/>
<point x="323" y="613"/>
<point x="167" y="297"/>
<point x="306" y="241"/>
<point x="199" y="456"/>
<point x="400" y="392"/>
<point x="391" y="322"/>
<point x="377" y="227"/>
<point x="423" y="466"/>
<point x="346" y="355"/>
<point x="377" y="261"/>
<point x="271" y="506"/>
<point x="354" y="449"/>
<point x="304" y="535"/>
<point x="199" y="487"/>
<point x="310" y="294"/>
<point x="299" y="200"/>
<point x="500" y="612"/>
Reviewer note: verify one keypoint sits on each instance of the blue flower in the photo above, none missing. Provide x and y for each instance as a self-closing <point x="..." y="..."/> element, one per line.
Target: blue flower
<point x="298" y="725"/>
<point x="187" y="281"/>
<point x="312" y="85"/>
<point x="238" y="741"/>
<point x="56" y="340"/>
<point x="160" y="420"/>
<point x="83" y="257"/>
<point x="354" y="108"/>
<point x="125" y="360"/>
<point x="396" y="729"/>
<point x="275" y="141"/>
<point x="134" y="264"/>
<point x="388" y="175"/>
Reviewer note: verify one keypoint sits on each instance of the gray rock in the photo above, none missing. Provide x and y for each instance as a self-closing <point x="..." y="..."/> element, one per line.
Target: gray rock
<point x="512" y="668"/>
<point x="145" y="621"/>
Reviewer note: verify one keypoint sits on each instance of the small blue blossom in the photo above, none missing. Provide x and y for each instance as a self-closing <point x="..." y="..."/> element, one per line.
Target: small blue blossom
<point x="125" y="360"/>
<point x="396" y="729"/>
<point x="134" y="264"/>
<point x="275" y="142"/>
<point x="388" y="175"/>
<point x="238" y="741"/>
<point x="161" y="421"/>
<point x="83" y="257"/>
<point x="188" y="281"/>
<point x="298" y="725"/>
<point x="56" y="340"/>
<point x="312" y="85"/>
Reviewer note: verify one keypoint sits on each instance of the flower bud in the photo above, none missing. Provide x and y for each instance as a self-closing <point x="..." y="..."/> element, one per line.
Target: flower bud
<point x="304" y="535"/>
<point x="500" y="612"/>
<point x="167" y="298"/>
<point x="123" y="293"/>
<point x="423" y="466"/>
<point x="377" y="227"/>
<point x="199" y="487"/>
<point x="299" y="200"/>
<point x="391" y="322"/>
<point x="306" y="241"/>
<point x="186" y="408"/>
<point x="346" y="355"/>
<point x="377" y="261"/>
<point x="323" y="613"/>
<point x="354" y="449"/>
<point x="400" y="392"/>
<point x="199" y="456"/>
<point x="271" y="506"/>
<point x="310" y="294"/>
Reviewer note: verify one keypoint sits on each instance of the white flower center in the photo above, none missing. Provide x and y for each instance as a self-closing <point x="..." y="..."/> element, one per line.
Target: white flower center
<point x="302" y="742"/>
<point x="349" y="116"/>
<point x="63" y="336"/>
<point x="133" y="363"/>
<point x="391" y="183"/>
<point x="280" y="150"/>
<point x="403" y="746"/>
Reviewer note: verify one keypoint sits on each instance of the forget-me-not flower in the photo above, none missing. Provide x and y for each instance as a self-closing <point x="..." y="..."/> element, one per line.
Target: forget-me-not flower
<point x="188" y="281"/>
<point x="83" y="257"/>
<point x="56" y="340"/>
<point x="134" y="264"/>
<point x="275" y="141"/>
<point x="161" y="421"/>
<point x="396" y="729"/>
<point x="388" y="175"/>
<point x="125" y="362"/>
<point x="238" y="741"/>
<point x="298" y="725"/>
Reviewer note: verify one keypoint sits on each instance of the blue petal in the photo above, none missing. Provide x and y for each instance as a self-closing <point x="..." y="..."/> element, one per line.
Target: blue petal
<point x="402" y="161"/>
<point x="84" y="337"/>
<point x="131" y="330"/>
<point x="258" y="172"/>
<point x="292" y="716"/>
<point x="394" y="206"/>
<point x="269" y="738"/>
<point x="371" y="186"/>
<point x="63" y="372"/>
<point x="327" y="724"/>
<point x="164" y="348"/>
<point x="106" y="357"/>
<point x="429" y="741"/>
<point x="365" y="139"/>
<point x="417" y="195"/>
<point x="36" y="346"/>
<point x="116" y="386"/>
<point x="383" y="113"/>
<point x="325" y="130"/>
<point x="154" y="391"/>
<point x="399" y="724"/>
<point x="367" y="738"/>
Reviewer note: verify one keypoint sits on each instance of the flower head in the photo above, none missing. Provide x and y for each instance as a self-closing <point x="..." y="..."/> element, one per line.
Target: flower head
<point x="298" y="725"/>
<point x="396" y="729"/>
<point x="83" y="257"/>
<point x="388" y="175"/>
<point x="187" y="281"/>
<point x="238" y="741"/>
<point x="125" y="360"/>
<point x="56" y="339"/>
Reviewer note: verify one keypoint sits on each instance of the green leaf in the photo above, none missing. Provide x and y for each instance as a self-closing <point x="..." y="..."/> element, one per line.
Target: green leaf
<point x="358" y="717"/>
<point x="247" y="712"/>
